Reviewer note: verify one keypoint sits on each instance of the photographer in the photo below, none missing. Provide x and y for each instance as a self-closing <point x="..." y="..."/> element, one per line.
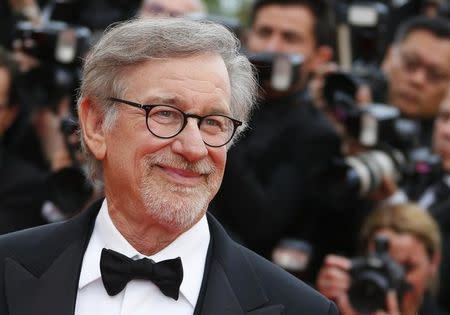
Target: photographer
<point x="45" y="133"/>
<point x="266" y="195"/>
<point x="291" y="27"/>
<point x="417" y="67"/>
<point x="413" y="77"/>
<point x="413" y="243"/>
<point x="21" y="184"/>
<point x="434" y="195"/>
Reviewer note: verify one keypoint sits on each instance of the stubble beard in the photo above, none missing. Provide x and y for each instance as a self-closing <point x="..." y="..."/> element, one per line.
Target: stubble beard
<point x="177" y="207"/>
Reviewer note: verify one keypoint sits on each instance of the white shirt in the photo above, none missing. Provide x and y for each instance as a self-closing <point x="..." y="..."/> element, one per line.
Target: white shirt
<point x="429" y="196"/>
<point x="140" y="297"/>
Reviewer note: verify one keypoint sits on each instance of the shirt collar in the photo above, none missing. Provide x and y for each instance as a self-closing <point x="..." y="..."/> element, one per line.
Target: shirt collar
<point x="191" y="246"/>
<point x="447" y="180"/>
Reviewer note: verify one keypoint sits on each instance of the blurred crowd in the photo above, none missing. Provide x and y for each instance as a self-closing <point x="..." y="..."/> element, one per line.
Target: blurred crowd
<point x="343" y="176"/>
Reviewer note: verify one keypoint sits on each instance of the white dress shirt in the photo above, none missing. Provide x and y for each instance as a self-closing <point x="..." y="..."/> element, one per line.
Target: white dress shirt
<point x="429" y="196"/>
<point x="141" y="297"/>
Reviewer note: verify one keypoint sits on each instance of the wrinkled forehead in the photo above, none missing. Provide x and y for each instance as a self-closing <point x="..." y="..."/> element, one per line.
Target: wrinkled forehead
<point x="199" y="78"/>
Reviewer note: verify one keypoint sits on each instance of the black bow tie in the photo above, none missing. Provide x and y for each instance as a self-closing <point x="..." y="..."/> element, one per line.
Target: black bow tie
<point x="117" y="270"/>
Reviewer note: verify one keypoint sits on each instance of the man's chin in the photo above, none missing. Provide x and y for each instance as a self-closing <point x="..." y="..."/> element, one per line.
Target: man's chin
<point x="407" y="106"/>
<point x="176" y="209"/>
<point x="179" y="221"/>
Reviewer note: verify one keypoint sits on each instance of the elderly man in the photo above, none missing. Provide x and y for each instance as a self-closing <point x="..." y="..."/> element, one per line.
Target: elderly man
<point x="160" y="101"/>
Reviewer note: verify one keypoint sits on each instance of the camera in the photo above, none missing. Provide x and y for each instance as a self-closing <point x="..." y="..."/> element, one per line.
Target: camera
<point x="58" y="45"/>
<point x="280" y="71"/>
<point x="369" y="124"/>
<point x="365" y="29"/>
<point x="385" y="136"/>
<point x="389" y="142"/>
<point x="373" y="276"/>
<point x="362" y="32"/>
<point x="365" y="172"/>
<point x="54" y="41"/>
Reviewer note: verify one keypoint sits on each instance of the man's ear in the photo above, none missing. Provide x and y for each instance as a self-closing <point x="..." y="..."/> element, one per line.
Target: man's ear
<point x="323" y="55"/>
<point x="91" y="123"/>
<point x="387" y="60"/>
<point x="9" y="117"/>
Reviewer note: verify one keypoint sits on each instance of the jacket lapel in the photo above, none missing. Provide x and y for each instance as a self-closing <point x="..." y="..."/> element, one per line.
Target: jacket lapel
<point x="232" y="285"/>
<point x="52" y="287"/>
<point x="53" y="292"/>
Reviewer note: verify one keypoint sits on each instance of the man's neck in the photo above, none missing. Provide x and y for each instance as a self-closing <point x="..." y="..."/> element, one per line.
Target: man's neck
<point x="145" y="235"/>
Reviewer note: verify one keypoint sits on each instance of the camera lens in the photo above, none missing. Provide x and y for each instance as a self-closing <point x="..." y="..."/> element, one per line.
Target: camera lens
<point x="368" y="169"/>
<point x="368" y="292"/>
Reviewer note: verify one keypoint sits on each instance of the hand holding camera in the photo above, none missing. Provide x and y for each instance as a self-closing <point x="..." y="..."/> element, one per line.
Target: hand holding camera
<point x="364" y="285"/>
<point x="334" y="281"/>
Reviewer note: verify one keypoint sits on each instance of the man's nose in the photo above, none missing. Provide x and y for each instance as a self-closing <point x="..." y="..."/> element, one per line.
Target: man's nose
<point x="189" y="143"/>
<point x="274" y="45"/>
<point x="419" y="76"/>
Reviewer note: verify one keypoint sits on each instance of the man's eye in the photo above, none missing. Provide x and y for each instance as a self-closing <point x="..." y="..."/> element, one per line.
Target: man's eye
<point x="293" y="38"/>
<point x="212" y="122"/>
<point x="264" y="32"/>
<point x="165" y="113"/>
<point x="409" y="267"/>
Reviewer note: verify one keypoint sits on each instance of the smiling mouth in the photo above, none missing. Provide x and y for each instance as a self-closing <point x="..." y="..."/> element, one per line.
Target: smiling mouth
<point x="181" y="176"/>
<point x="409" y="97"/>
<point x="180" y="171"/>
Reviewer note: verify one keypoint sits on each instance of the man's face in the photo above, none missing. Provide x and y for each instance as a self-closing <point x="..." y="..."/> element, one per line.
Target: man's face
<point x="441" y="133"/>
<point x="418" y="70"/>
<point x="174" y="179"/>
<point x="410" y="252"/>
<point x="284" y="29"/>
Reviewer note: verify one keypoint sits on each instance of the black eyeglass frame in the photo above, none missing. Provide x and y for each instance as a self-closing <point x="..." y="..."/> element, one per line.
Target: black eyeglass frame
<point x="148" y="107"/>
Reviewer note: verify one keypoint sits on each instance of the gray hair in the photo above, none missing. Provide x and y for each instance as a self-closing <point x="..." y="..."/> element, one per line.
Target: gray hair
<point x="134" y="42"/>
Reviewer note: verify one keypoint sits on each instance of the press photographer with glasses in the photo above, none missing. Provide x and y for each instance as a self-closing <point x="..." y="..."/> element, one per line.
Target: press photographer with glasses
<point x="159" y="101"/>
<point x="417" y="68"/>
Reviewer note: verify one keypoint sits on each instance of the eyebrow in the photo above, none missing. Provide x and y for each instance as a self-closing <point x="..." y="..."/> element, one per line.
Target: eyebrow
<point x="161" y="100"/>
<point x="177" y="102"/>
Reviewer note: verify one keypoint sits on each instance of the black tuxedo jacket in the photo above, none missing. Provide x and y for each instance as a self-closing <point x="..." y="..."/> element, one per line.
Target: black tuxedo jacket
<point x="22" y="193"/>
<point x="440" y="210"/>
<point x="40" y="268"/>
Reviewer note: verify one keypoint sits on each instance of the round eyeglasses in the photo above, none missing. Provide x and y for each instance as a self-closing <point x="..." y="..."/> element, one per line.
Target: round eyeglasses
<point x="165" y="122"/>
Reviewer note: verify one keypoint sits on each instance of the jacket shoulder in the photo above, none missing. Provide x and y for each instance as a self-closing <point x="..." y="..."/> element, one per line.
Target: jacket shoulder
<point x="34" y="242"/>
<point x="283" y="288"/>
<point x="37" y="247"/>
